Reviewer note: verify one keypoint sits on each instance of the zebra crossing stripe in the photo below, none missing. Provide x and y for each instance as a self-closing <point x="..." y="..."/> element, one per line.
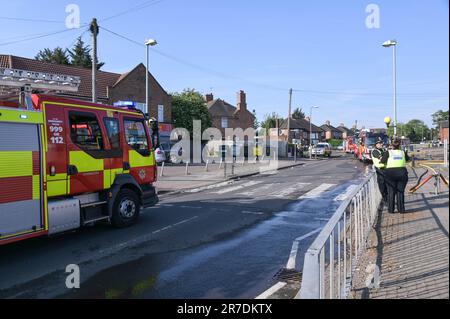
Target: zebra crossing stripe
<point x="346" y="194"/>
<point x="316" y="192"/>
<point x="288" y="191"/>
<point x="236" y="188"/>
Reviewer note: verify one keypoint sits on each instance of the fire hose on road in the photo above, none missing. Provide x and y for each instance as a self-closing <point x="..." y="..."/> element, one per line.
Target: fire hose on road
<point x="436" y="175"/>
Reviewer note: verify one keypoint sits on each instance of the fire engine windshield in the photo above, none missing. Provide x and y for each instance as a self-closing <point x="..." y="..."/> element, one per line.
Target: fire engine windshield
<point x="136" y="136"/>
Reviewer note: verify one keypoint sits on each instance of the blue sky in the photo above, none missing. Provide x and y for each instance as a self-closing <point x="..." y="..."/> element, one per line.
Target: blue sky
<point x="322" y="47"/>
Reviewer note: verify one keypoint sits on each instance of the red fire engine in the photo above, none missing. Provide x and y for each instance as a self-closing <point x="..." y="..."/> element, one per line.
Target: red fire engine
<point x="65" y="163"/>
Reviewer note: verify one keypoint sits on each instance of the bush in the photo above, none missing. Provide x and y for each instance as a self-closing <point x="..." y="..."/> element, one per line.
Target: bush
<point x="335" y="143"/>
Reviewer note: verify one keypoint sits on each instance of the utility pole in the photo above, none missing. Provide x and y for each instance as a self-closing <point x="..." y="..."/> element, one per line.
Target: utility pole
<point x="289" y="117"/>
<point x="94" y="30"/>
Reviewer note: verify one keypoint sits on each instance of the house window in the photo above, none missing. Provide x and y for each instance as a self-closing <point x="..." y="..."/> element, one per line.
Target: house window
<point x="161" y="113"/>
<point x="224" y="122"/>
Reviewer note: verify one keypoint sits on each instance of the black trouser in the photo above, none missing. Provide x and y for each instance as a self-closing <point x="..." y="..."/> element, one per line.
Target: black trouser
<point x="396" y="181"/>
<point x="382" y="183"/>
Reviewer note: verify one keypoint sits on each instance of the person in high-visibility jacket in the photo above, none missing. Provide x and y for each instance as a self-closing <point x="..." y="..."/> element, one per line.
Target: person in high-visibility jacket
<point x="396" y="176"/>
<point x="377" y="155"/>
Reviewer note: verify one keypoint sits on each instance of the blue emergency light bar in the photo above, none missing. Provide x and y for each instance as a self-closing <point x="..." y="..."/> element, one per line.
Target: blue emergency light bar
<point x="130" y="105"/>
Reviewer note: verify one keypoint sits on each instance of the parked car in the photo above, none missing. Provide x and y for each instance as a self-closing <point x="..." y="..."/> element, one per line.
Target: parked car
<point x="160" y="155"/>
<point x="322" y="149"/>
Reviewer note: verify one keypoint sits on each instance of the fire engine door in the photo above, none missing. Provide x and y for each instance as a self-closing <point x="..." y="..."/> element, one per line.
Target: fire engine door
<point x="86" y="152"/>
<point x="21" y="195"/>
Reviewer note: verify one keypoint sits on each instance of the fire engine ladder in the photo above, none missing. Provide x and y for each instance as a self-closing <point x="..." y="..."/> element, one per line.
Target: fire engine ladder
<point x="21" y="83"/>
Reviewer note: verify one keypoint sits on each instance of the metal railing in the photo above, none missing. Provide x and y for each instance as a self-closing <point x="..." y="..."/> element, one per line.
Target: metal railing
<point x="331" y="260"/>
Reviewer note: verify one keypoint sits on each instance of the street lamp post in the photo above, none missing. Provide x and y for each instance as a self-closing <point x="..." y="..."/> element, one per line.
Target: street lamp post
<point x="393" y="44"/>
<point x="148" y="43"/>
<point x="310" y="130"/>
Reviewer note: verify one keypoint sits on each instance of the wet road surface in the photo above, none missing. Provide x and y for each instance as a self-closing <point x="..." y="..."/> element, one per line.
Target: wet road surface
<point x="226" y="242"/>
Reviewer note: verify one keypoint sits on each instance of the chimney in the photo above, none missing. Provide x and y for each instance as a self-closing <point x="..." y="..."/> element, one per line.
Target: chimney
<point x="328" y="123"/>
<point x="342" y="125"/>
<point x="241" y="101"/>
<point x="307" y="119"/>
<point x="209" y="97"/>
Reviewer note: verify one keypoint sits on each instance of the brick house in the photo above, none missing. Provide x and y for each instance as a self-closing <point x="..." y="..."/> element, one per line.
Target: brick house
<point x="225" y="115"/>
<point x="111" y="87"/>
<point x="331" y="133"/>
<point x="300" y="130"/>
<point x="443" y="131"/>
<point x="346" y="132"/>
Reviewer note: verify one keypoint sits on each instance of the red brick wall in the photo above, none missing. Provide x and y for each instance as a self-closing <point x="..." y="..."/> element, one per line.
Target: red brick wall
<point x="444" y="134"/>
<point x="243" y="120"/>
<point x="132" y="88"/>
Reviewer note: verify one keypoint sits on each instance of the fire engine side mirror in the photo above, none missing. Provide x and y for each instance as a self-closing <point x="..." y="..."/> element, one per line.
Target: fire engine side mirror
<point x="72" y="170"/>
<point x="145" y="152"/>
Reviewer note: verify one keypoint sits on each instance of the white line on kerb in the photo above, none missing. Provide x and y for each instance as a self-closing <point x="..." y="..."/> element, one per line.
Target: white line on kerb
<point x="294" y="250"/>
<point x="269" y="292"/>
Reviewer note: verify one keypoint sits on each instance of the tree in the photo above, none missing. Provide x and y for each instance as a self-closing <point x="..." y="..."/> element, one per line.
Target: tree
<point x="270" y="121"/>
<point x="81" y="55"/>
<point x="439" y="116"/>
<point x="57" y="56"/>
<point x="298" y="114"/>
<point x="415" y="130"/>
<point x="188" y="106"/>
<point x="255" y="121"/>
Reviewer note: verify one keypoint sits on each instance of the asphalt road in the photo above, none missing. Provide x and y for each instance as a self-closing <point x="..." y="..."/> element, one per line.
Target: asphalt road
<point x="225" y="242"/>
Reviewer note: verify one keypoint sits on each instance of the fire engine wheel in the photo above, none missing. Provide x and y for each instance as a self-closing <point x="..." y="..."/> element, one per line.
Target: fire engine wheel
<point x="126" y="209"/>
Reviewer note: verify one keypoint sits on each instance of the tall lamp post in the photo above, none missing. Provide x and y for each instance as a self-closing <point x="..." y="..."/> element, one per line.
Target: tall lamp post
<point x="393" y="44"/>
<point x="310" y="130"/>
<point x="148" y="43"/>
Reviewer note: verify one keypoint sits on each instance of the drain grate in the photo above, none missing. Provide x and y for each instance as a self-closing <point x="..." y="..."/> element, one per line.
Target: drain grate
<point x="288" y="275"/>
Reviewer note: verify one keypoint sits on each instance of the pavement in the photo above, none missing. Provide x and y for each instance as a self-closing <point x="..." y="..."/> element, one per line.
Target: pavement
<point x="410" y="250"/>
<point x="234" y="240"/>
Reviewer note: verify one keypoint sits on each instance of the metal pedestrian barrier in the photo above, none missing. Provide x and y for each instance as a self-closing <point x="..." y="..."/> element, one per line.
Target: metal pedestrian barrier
<point x="331" y="260"/>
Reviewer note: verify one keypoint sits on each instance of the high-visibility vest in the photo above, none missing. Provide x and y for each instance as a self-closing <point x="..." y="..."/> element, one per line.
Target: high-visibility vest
<point x="397" y="159"/>
<point x="377" y="161"/>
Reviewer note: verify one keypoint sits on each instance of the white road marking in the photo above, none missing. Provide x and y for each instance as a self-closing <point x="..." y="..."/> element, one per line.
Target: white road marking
<point x="174" y="225"/>
<point x="238" y="187"/>
<point x="200" y="189"/>
<point x="294" y="250"/>
<point x="316" y="192"/>
<point x="269" y="292"/>
<point x="258" y="189"/>
<point x="288" y="191"/>
<point x="138" y="240"/>
<point x="191" y="207"/>
<point x="252" y="213"/>
<point x="346" y="194"/>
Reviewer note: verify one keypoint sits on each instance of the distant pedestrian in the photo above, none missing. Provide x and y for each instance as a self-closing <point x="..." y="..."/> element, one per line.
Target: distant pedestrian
<point x="396" y="176"/>
<point x="377" y="155"/>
